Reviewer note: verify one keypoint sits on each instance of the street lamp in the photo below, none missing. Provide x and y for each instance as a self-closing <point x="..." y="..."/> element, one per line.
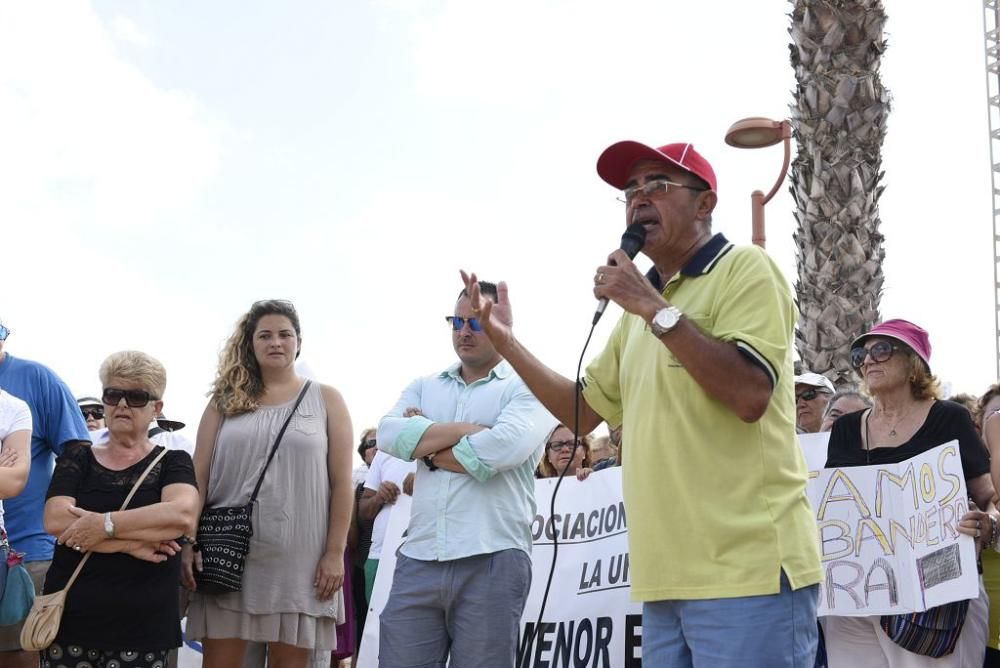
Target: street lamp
<point x="758" y="132"/>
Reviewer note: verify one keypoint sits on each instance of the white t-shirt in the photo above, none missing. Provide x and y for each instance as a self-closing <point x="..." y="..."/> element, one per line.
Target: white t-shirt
<point x="171" y="440"/>
<point x="359" y="475"/>
<point x="14" y="416"/>
<point x="385" y="468"/>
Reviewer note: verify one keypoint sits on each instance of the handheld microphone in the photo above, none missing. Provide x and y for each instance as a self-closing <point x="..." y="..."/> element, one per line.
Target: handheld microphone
<point x="632" y="241"/>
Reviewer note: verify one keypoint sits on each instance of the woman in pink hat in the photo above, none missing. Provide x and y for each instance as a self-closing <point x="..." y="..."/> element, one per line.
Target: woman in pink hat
<point x="906" y="419"/>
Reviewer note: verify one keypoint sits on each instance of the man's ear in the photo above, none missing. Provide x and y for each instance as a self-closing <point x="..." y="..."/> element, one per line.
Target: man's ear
<point x="706" y="203"/>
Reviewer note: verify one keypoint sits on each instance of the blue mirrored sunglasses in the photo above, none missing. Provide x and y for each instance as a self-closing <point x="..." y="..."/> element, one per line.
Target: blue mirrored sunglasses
<point x="458" y="323"/>
<point x="4" y="333"/>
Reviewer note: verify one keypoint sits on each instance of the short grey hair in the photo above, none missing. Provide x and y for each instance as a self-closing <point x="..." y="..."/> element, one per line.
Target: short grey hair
<point x="846" y="393"/>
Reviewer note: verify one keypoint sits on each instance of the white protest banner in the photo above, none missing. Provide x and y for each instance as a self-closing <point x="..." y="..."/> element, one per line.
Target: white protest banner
<point x="814" y="447"/>
<point x="589" y="619"/>
<point x="394" y="530"/>
<point x="888" y="534"/>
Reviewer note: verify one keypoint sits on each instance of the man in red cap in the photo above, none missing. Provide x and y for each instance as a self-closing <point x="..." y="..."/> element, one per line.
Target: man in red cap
<point x="698" y="370"/>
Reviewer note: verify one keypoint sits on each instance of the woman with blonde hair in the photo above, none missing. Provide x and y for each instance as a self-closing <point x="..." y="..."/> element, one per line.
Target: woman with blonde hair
<point x="906" y="419"/>
<point x="291" y="594"/>
<point x="123" y="608"/>
<point x="559" y="452"/>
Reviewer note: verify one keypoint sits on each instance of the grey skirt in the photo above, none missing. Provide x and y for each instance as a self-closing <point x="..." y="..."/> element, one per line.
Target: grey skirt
<point x="207" y="620"/>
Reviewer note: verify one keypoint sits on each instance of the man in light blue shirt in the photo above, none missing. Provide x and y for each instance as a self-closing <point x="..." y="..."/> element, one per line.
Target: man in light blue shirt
<point x="464" y="570"/>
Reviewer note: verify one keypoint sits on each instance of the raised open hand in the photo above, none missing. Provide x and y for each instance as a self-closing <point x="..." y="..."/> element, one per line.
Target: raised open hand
<point x="497" y="319"/>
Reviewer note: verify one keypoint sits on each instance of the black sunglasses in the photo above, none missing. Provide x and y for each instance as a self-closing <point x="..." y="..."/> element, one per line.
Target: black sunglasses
<point x="369" y="444"/>
<point x="808" y="395"/>
<point x="96" y="413"/>
<point x="879" y="352"/>
<point x="112" y="396"/>
<point x="457" y="323"/>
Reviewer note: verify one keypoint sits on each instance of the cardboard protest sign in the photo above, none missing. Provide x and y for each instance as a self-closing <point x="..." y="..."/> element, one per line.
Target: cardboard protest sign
<point x="888" y="533"/>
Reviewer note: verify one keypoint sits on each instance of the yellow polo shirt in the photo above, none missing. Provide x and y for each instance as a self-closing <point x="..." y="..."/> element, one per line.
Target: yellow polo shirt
<point x="716" y="507"/>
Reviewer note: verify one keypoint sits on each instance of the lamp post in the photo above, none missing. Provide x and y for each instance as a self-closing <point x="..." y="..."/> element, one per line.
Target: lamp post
<point x="758" y="132"/>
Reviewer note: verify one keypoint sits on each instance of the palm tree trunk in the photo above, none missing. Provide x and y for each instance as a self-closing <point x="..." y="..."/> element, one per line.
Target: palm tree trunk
<point x="839" y="122"/>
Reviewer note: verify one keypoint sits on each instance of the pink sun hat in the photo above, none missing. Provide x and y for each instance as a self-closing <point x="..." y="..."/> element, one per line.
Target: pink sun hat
<point x="904" y="331"/>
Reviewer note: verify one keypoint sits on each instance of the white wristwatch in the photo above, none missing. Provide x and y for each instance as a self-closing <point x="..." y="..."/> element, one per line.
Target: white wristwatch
<point x="109" y="526"/>
<point x="665" y="320"/>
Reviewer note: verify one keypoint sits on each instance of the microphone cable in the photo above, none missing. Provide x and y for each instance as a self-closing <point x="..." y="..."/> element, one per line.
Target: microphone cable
<point x="552" y="505"/>
<point x="632" y="242"/>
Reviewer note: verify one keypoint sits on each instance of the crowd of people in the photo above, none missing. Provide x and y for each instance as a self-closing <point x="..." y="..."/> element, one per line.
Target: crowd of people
<point x="696" y="383"/>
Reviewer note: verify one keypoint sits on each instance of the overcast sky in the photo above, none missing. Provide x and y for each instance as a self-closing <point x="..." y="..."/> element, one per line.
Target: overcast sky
<point x="164" y="165"/>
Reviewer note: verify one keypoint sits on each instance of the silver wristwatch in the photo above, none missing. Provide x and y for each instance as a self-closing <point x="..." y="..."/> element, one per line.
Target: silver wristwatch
<point x="109" y="526"/>
<point x="665" y="320"/>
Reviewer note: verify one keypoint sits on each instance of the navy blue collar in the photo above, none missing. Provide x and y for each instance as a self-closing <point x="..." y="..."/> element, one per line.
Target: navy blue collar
<point x="704" y="260"/>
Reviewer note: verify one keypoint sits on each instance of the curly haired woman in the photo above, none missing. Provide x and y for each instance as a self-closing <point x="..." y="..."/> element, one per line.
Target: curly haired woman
<point x="291" y="597"/>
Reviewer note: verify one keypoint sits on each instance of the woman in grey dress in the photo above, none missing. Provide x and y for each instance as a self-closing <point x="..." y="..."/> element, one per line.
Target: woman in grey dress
<point x="291" y="596"/>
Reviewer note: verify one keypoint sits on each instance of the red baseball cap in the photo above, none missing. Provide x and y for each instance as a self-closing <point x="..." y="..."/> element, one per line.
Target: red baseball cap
<point x="618" y="159"/>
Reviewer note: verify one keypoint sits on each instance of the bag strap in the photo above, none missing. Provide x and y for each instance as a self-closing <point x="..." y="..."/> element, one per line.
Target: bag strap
<point x="277" y="441"/>
<point x="128" y="498"/>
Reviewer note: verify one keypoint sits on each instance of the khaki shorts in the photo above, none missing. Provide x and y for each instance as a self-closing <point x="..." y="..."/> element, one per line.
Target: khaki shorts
<point x="10" y="636"/>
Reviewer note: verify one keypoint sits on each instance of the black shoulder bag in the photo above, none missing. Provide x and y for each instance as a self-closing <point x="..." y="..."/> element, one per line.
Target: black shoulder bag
<point x="224" y="532"/>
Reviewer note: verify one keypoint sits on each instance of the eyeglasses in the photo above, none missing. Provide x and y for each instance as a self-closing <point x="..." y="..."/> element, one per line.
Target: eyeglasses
<point x="457" y="323"/>
<point x="653" y="187"/>
<point x="369" y="444"/>
<point x="96" y="413"/>
<point x="809" y="394"/>
<point x="4" y="333"/>
<point x="133" y="398"/>
<point x="879" y="352"/>
<point x="559" y="446"/>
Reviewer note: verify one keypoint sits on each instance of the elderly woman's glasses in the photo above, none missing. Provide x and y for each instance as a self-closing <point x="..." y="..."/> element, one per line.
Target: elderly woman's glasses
<point x="879" y="352"/>
<point x="652" y="187"/>
<point x="559" y="446"/>
<point x="112" y="396"/>
<point x="457" y="323"/>
<point x="95" y="413"/>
